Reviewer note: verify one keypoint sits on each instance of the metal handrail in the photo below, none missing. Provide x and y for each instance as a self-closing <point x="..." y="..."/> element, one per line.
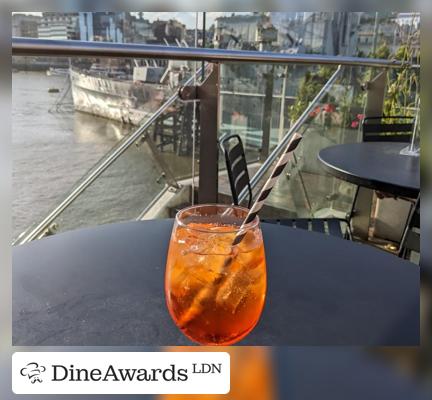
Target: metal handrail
<point x="283" y="143"/>
<point x="68" y="48"/>
<point x="101" y="167"/>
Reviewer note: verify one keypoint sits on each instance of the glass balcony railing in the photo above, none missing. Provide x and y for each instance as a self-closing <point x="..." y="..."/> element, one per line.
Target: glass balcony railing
<point x="153" y="168"/>
<point x="143" y="163"/>
<point x="306" y="190"/>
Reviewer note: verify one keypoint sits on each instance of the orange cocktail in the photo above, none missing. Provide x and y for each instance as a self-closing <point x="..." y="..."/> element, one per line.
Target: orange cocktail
<point x="215" y="291"/>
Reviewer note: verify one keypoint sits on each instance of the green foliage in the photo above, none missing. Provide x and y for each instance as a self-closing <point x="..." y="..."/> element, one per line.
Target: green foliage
<point x="403" y="84"/>
<point x="310" y="86"/>
<point x="383" y="51"/>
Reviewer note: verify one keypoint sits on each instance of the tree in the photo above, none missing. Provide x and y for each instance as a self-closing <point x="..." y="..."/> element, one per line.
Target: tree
<point x="310" y="86"/>
<point x="403" y="83"/>
<point x="383" y="51"/>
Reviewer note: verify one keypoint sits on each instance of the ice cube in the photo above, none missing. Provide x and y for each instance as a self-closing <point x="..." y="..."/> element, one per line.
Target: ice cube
<point x="234" y="290"/>
<point x="250" y="241"/>
<point x="249" y="260"/>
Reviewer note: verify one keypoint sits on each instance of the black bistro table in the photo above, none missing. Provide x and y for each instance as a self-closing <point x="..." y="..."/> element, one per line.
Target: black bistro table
<point x="105" y="286"/>
<point x="376" y="165"/>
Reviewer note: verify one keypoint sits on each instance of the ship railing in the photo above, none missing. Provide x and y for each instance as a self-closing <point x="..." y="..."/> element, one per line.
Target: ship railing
<point x="208" y="94"/>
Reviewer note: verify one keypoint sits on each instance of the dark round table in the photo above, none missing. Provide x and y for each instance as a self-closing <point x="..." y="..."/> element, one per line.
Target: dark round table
<point x="376" y="165"/>
<point x="105" y="286"/>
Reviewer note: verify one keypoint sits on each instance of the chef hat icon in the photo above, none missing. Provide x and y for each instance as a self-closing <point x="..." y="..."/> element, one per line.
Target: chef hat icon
<point x="32" y="371"/>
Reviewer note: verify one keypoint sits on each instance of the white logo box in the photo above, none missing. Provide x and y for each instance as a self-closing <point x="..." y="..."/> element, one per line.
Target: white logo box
<point x="121" y="372"/>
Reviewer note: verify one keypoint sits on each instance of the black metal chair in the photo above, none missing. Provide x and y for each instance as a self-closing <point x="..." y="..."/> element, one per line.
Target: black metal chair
<point x="375" y="130"/>
<point x="235" y="159"/>
<point x="384" y="132"/>
<point x="378" y="129"/>
<point x="410" y="241"/>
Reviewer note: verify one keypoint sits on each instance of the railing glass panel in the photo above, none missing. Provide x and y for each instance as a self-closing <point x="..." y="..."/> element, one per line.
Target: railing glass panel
<point x="260" y="102"/>
<point x="305" y="189"/>
<point x="53" y="146"/>
<point x="252" y="104"/>
<point x="119" y="194"/>
<point x="65" y="129"/>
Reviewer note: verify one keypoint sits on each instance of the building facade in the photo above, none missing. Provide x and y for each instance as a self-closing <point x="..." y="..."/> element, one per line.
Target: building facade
<point x="170" y="31"/>
<point x="142" y="29"/>
<point x="412" y="18"/>
<point x="106" y="26"/>
<point x="86" y="26"/>
<point x="61" y="26"/>
<point x="25" y="25"/>
<point x="332" y="33"/>
<point x="245" y="31"/>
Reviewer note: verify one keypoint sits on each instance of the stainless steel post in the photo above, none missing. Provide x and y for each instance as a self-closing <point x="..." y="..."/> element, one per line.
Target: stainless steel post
<point x="267" y="114"/>
<point x="208" y="94"/>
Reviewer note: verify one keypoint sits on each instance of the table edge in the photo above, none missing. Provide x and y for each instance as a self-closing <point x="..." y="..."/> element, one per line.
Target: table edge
<point x="366" y="182"/>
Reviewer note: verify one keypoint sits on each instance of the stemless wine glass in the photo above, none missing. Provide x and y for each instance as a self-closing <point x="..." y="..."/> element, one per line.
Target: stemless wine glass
<point x="215" y="291"/>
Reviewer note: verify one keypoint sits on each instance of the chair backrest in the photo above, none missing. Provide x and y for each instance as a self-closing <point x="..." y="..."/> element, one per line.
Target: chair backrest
<point x="235" y="160"/>
<point x="411" y="236"/>
<point x="374" y="130"/>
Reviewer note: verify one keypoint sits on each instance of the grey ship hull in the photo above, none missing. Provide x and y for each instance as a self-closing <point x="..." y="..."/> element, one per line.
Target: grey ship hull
<point x="125" y="101"/>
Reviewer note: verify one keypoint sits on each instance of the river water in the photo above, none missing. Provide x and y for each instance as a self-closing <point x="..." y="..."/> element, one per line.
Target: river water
<point x="52" y="150"/>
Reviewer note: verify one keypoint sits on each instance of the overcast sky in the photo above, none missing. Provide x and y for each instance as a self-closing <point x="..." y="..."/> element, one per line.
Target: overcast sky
<point x="187" y="18"/>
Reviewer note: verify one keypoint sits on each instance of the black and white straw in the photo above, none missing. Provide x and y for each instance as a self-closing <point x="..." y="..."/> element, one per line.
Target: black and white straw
<point x="268" y="186"/>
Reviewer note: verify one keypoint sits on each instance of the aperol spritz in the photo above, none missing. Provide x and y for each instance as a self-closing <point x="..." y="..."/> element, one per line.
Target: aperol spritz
<point x="215" y="291"/>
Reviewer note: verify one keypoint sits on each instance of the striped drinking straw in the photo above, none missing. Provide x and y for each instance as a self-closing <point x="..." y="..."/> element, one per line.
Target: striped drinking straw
<point x="209" y="291"/>
<point x="268" y="186"/>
